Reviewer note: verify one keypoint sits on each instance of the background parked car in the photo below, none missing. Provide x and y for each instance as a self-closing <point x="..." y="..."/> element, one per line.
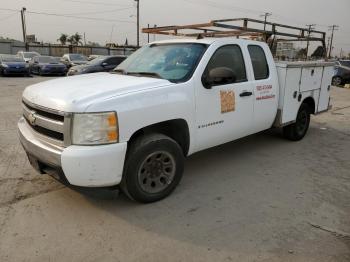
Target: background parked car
<point x="100" y="64"/>
<point x="47" y="65"/>
<point x="92" y="57"/>
<point x="74" y="59"/>
<point x="342" y="73"/>
<point x="13" y="65"/>
<point x="27" y="56"/>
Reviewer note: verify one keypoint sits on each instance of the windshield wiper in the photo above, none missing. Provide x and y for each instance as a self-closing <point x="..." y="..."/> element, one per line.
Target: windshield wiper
<point x="149" y="74"/>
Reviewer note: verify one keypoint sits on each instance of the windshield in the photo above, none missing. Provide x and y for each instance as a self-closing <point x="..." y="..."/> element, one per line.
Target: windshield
<point x="30" y="54"/>
<point x="97" y="61"/>
<point x="47" y="59"/>
<point x="345" y="63"/>
<point x="174" y="62"/>
<point x="77" y="57"/>
<point x="11" y="59"/>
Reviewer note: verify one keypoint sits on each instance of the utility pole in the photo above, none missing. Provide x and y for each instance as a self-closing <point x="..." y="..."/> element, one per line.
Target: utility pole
<point x="138" y="22"/>
<point x="154" y="35"/>
<point x="332" y="28"/>
<point x="265" y="15"/>
<point x="24" y="30"/>
<point x="148" y="34"/>
<point x="327" y="48"/>
<point x="310" y="28"/>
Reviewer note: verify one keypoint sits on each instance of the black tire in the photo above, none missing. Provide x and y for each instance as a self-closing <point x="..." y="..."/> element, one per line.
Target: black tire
<point x="337" y="81"/>
<point x="148" y="176"/>
<point x="298" y="130"/>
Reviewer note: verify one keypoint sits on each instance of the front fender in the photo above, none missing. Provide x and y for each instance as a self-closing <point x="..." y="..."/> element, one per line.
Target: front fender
<point x="137" y="110"/>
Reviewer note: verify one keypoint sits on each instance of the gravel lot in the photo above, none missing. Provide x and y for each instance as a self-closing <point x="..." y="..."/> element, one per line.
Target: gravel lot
<point x="261" y="198"/>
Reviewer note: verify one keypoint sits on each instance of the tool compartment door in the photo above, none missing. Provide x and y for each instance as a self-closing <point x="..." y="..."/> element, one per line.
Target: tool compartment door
<point x="311" y="78"/>
<point x="289" y="82"/>
<point x="323" y="102"/>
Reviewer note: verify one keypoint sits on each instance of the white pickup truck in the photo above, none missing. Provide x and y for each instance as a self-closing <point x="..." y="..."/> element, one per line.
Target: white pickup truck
<point x="135" y="126"/>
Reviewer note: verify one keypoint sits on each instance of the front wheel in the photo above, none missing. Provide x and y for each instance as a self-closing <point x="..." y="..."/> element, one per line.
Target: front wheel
<point x="298" y="130"/>
<point x="153" y="168"/>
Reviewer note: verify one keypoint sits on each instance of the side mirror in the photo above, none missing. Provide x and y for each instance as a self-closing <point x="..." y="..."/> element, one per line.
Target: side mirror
<point x="36" y="62"/>
<point x="219" y="76"/>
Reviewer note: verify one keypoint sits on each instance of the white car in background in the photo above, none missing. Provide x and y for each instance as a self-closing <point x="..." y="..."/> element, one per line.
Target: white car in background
<point x="27" y="56"/>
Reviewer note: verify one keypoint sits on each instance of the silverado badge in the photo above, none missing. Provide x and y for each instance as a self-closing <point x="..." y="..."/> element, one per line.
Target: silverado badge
<point x="32" y="118"/>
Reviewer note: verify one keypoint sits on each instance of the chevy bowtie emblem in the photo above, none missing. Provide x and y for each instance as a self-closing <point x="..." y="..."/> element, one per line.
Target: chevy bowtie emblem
<point x="32" y="118"/>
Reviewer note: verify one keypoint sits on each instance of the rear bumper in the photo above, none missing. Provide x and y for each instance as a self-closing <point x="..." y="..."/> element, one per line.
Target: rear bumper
<point x="85" y="166"/>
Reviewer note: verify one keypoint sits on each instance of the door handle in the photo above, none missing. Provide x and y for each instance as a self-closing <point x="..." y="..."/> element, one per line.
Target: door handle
<point x="246" y="94"/>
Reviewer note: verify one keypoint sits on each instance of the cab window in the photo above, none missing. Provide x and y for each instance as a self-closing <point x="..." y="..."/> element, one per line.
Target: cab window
<point x="229" y="56"/>
<point x="259" y="62"/>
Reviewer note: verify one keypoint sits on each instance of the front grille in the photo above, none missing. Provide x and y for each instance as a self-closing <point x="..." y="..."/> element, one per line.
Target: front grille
<point x="47" y="122"/>
<point x="45" y="113"/>
<point x="47" y="132"/>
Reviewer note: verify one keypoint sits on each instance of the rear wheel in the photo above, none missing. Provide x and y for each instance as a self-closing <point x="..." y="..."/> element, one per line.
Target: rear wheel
<point x="153" y="168"/>
<point x="337" y="81"/>
<point x="298" y="130"/>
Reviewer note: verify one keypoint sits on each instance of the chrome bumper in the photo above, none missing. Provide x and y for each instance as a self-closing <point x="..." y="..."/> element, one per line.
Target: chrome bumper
<point x="42" y="148"/>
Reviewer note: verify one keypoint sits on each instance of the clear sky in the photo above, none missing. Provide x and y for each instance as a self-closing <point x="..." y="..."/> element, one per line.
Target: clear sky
<point x="116" y="19"/>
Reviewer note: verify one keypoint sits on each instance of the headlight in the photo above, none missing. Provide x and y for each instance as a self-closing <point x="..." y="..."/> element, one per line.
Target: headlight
<point x="4" y="65"/>
<point x="95" y="128"/>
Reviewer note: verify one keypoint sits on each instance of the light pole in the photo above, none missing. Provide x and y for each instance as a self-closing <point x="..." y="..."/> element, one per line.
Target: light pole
<point x="24" y="31"/>
<point x="138" y="22"/>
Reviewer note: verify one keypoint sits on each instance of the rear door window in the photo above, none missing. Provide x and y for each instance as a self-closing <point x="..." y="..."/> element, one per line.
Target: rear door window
<point x="259" y="62"/>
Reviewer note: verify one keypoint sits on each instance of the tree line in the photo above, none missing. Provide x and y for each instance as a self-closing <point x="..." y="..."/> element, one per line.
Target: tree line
<point x="75" y="39"/>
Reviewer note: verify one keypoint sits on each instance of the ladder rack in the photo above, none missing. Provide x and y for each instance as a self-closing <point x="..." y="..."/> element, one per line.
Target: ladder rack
<point x="243" y="27"/>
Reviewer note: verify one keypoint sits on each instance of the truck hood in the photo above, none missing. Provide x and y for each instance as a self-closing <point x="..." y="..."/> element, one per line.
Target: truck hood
<point x="76" y="93"/>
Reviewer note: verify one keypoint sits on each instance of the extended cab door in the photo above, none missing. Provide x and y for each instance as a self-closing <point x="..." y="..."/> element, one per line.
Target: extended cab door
<point x="224" y="112"/>
<point x="265" y="85"/>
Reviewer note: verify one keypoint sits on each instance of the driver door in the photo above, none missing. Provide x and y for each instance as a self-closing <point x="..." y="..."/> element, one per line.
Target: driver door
<point x="224" y="112"/>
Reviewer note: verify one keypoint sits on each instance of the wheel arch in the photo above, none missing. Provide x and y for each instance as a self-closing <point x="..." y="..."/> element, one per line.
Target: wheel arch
<point x="176" y="129"/>
<point x="310" y="101"/>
